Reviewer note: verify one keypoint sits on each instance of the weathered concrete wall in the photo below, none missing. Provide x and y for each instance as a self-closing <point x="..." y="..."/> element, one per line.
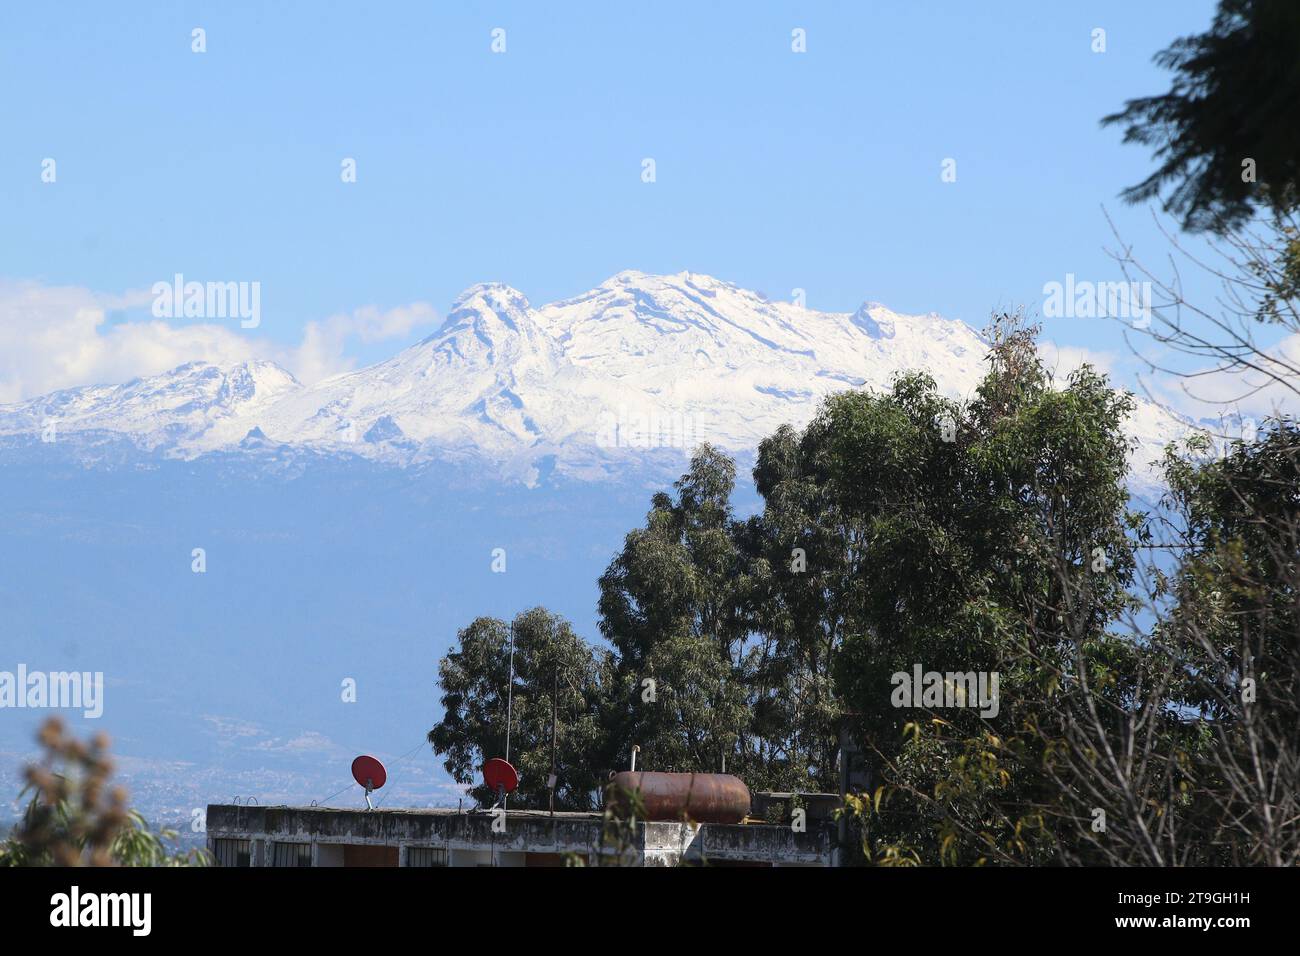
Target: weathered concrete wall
<point x="777" y="845"/>
<point x="667" y="844"/>
<point x="470" y="839"/>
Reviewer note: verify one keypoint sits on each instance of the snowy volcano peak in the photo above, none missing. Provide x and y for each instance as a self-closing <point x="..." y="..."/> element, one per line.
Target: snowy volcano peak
<point x="585" y="384"/>
<point x="874" y="319"/>
<point x="489" y="324"/>
<point x="252" y="382"/>
<point x="486" y="304"/>
<point x="181" y="405"/>
<point x="643" y="327"/>
<point x="491" y="382"/>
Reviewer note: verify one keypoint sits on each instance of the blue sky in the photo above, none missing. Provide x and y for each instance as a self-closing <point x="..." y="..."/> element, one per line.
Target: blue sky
<point x="775" y="170"/>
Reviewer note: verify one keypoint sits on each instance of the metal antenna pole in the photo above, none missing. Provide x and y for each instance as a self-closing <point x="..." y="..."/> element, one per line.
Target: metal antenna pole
<point x="841" y="830"/>
<point x="510" y="700"/>
<point x="555" y="711"/>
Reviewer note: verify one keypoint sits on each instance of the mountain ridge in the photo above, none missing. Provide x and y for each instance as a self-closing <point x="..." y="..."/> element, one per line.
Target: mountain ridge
<point x="585" y="385"/>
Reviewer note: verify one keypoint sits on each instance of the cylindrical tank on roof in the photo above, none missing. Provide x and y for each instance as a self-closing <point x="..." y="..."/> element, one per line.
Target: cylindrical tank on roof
<point x="699" y="797"/>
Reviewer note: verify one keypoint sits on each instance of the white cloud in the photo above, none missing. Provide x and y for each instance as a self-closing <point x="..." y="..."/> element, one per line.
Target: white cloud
<point x="235" y="731"/>
<point x="307" y="742"/>
<point x="321" y="352"/>
<point x="1210" y="393"/>
<point x="230" y="729"/>
<point x="54" y="337"/>
<point x="1061" y="360"/>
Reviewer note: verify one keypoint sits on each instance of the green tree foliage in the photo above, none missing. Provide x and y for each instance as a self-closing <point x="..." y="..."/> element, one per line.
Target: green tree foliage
<point x="1233" y="635"/>
<point x="674" y="604"/>
<point x="556" y="674"/>
<point x="1233" y="584"/>
<point x="975" y="533"/>
<point x="1235" y="97"/>
<point x="811" y="552"/>
<point x="1177" y="744"/>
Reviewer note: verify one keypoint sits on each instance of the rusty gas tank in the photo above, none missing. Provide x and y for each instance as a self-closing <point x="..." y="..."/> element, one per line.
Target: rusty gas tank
<point x="699" y="797"/>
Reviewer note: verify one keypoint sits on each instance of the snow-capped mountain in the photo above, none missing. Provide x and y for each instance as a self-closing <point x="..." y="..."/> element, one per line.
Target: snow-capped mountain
<point x="175" y="409"/>
<point x="639" y="364"/>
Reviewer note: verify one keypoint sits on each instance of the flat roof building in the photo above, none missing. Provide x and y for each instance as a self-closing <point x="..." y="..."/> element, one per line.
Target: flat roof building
<point x="324" y="836"/>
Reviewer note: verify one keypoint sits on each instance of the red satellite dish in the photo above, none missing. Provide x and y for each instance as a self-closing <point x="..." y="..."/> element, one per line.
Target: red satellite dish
<point x="499" y="776"/>
<point x="370" y="773"/>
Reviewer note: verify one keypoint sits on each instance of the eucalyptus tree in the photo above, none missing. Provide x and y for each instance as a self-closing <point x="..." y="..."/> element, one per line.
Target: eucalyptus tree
<point x="549" y="700"/>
